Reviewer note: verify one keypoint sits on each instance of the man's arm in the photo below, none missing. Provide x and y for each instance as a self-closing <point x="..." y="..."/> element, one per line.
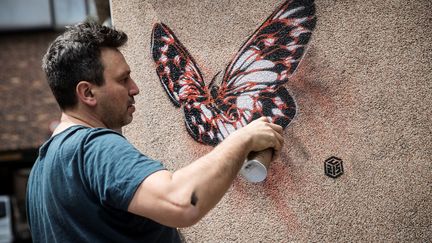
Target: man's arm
<point x="182" y="198"/>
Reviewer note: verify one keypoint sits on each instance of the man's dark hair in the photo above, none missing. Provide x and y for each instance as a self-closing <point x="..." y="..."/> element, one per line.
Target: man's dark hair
<point x="75" y="56"/>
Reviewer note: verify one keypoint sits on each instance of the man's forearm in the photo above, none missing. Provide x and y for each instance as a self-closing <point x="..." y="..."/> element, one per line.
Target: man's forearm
<point x="209" y="177"/>
<point x="182" y="198"/>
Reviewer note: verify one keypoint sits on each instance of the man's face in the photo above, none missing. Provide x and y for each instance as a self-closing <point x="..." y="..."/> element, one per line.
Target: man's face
<point x="115" y="98"/>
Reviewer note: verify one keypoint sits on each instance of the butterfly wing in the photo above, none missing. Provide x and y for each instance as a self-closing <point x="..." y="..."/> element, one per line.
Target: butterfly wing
<point x="251" y="86"/>
<point x="177" y="71"/>
<point x="276" y="47"/>
<point x="183" y="82"/>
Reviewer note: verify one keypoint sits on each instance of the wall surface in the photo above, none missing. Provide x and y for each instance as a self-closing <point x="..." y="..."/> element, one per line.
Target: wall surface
<point x="364" y="94"/>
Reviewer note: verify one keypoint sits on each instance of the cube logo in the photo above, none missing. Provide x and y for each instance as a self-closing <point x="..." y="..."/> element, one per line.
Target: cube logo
<point x="333" y="167"/>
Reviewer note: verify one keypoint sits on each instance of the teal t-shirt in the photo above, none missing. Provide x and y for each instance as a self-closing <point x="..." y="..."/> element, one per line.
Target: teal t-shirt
<point x="80" y="187"/>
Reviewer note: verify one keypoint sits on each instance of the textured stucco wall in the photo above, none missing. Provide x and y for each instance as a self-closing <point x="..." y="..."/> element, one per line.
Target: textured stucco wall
<point x="364" y="94"/>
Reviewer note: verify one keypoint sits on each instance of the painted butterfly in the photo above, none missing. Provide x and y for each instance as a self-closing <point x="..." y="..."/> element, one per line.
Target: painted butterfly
<point x="252" y="83"/>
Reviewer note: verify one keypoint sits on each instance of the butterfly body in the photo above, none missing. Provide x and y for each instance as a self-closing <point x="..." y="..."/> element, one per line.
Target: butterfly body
<point x="252" y="84"/>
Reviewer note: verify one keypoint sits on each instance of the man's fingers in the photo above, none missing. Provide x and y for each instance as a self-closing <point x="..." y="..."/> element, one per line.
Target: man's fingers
<point x="263" y="118"/>
<point x="266" y="134"/>
<point x="279" y="141"/>
<point x="278" y="146"/>
<point x="276" y="127"/>
<point x="276" y="154"/>
<point x="277" y="131"/>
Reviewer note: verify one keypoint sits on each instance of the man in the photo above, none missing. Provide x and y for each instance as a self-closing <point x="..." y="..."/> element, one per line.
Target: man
<point x="89" y="184"/>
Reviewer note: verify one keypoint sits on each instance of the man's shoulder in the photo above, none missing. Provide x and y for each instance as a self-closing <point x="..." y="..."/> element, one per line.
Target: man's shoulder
<point x="78" y="136"/>
<point x="86" y="134"/>
<point x="103" y="135"/>
<point x="101" y="132"/>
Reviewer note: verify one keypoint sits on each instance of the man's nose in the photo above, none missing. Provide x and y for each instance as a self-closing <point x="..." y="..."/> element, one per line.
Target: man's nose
<point x="134" y="90"/>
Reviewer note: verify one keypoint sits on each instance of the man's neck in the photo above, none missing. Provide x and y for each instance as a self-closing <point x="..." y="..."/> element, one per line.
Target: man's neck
<point x="72" y="118"/>
<point x="69" y="119"/>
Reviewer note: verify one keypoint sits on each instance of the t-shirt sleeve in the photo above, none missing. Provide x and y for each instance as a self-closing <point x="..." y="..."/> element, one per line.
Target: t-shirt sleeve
<point x="113" y="168"/>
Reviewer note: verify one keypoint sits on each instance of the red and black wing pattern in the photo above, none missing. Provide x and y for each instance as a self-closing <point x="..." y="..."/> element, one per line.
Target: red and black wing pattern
<point x="253" y="79"/>
<point x="177" y="71"/>
<point x="252" y="84"/>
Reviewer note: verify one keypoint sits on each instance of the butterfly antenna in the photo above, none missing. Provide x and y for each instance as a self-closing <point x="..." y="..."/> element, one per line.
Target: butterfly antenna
<point x="214" y="79"/>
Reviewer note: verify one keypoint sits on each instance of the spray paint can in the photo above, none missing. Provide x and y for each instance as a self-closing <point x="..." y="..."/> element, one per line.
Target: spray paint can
<point x="255" y="167"/>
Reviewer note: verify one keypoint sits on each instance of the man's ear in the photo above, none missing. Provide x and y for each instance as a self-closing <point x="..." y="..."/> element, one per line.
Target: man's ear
<point x="85" y="94"/>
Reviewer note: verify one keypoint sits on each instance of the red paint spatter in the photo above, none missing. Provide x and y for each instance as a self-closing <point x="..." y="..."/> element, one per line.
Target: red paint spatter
<point x="240" y="192"/>
<point x="279" y="174"/>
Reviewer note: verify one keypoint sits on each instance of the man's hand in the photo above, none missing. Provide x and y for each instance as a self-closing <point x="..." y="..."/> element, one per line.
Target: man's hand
<point x="261" y="134"/>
